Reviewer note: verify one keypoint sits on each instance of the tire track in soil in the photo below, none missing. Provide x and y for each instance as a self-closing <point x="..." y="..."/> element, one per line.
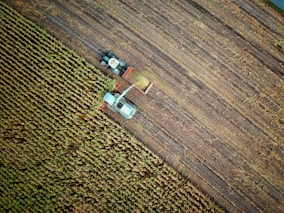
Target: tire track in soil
<point x="182" y="69"/>
<point x="120" y="23"/>
<point x="221" y="148"/>
<point x="209" y="97"/>
<point x="172" y="72"/>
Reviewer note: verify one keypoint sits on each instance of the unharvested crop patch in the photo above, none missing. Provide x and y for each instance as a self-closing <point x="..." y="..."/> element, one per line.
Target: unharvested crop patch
<point x="58" y="152"/>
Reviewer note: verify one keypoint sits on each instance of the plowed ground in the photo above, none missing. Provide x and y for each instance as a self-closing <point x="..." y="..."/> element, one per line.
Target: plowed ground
<point x="59" y="153"/>
<point x="216" y="111"/>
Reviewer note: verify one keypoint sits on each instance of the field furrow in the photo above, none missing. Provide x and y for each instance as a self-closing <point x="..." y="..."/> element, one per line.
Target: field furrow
<point x="59" y="153"/>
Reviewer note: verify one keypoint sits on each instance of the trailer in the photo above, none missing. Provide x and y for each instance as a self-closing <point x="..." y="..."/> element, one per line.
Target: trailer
<point x="138" y="80"/>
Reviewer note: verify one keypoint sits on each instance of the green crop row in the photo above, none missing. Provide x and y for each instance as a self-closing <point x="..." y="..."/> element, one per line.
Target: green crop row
<point x="58" y="152"/>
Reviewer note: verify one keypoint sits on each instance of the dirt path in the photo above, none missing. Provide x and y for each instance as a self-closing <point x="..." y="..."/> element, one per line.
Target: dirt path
<point x="215" y="112"/>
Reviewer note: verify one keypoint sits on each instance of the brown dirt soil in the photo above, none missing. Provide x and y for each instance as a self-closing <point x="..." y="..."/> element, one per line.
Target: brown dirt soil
<point x="216" y="110"/>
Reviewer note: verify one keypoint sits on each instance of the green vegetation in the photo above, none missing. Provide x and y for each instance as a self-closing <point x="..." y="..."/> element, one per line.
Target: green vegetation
<point x="280" y="45"/>
<point x="58" y="152"/>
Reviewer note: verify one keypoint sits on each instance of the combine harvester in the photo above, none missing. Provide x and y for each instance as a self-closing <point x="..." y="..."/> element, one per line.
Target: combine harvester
<point x="116" y="101"/>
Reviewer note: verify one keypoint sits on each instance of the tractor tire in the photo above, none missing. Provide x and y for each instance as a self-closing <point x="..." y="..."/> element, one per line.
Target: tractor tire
<point x="106" y="58"/>
<point x="122" y="63"/>
<point x="103" y="63"/>
<point x="110" y="54"/>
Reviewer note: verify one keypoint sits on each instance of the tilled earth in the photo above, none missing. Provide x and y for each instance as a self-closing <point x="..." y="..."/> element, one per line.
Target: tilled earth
<point x="216" y="111"/>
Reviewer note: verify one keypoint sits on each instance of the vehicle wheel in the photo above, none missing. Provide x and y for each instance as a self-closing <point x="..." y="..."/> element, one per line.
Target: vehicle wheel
<point x="105" y="58"/>
<point x="116" y="71"/>
<point x="123" y="69"/>
<point x="122" y="63"/>
<point x="109" y="54"/>
<point x="103" y="63"/>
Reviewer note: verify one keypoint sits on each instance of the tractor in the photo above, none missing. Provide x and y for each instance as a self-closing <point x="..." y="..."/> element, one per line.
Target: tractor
<point x="116" y="65"/>
<point x="119" y="67"/>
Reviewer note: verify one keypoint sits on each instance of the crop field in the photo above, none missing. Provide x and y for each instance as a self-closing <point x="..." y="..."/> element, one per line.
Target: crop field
<point x="58" y="152"/>
<point x="215" y="112"/>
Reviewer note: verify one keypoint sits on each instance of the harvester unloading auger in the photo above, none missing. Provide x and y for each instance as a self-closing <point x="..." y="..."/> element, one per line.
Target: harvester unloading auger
<point x="116" y="101"/>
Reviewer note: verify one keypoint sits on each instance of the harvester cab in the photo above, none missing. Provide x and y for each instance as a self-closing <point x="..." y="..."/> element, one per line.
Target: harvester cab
<point x="118" y="103"/>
